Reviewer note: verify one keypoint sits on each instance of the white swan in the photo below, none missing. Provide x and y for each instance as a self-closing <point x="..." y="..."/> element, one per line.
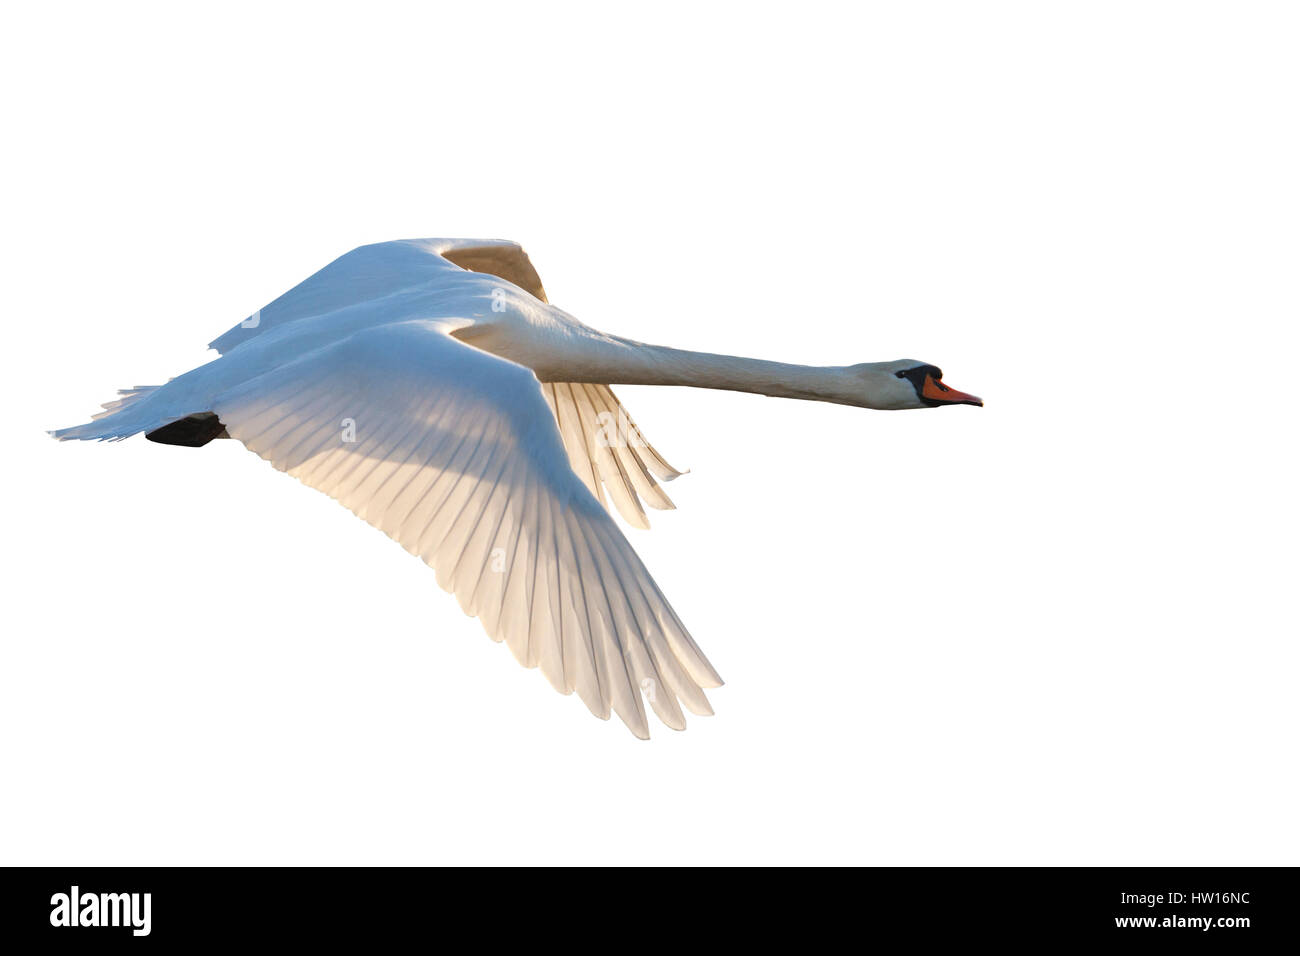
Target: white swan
<point x="429" y="387"/>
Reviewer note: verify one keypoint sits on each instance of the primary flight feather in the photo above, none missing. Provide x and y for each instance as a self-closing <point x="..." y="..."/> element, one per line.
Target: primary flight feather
<point x="429" y="387"/>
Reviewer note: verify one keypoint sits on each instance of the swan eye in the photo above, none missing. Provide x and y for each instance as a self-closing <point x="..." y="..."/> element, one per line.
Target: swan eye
<point x="900" y="375"/>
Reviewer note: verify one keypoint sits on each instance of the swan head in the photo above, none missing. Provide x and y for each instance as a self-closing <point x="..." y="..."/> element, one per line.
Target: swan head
<point x="908" y="383"/>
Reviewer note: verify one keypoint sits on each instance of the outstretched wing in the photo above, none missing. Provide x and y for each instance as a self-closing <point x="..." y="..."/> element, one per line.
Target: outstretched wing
<point x="454" y="454"/>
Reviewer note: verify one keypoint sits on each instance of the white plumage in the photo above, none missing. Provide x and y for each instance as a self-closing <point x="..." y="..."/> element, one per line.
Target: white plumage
<point x="429" y="387"/>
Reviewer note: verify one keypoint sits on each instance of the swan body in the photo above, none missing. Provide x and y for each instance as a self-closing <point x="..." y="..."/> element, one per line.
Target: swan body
<point x="430" y="387"/>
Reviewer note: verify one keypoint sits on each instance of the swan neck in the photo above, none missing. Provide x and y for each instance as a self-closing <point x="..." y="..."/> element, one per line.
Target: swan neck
<point x="624" y="362"/>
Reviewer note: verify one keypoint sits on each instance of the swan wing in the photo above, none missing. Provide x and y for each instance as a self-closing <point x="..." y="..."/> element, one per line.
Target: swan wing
<point x="453" y="453"/>
<point x="499" y="257"/>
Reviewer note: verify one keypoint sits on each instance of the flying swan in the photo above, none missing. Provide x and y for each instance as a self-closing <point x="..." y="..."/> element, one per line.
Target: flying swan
<point x="429" y="386"/>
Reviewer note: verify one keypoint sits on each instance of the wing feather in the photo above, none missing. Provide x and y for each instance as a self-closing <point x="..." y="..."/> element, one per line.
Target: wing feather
<point x="456" y="456"/>
<point x="608" y="451"/>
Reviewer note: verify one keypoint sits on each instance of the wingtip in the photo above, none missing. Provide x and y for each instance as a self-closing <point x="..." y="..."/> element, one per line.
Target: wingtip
<point x="637" y="521"/>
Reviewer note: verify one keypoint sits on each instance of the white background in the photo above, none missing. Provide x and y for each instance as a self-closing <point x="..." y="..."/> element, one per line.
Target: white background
<point x="1058" y="629"/>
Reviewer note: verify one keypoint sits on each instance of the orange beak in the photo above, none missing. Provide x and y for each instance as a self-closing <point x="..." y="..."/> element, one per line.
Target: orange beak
<point x="936" y="391"/>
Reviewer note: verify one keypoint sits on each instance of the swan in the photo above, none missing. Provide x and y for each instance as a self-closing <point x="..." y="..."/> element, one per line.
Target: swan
<point x="430" y="387"/>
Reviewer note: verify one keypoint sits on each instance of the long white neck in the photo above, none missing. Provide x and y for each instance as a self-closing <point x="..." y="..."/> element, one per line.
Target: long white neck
<point x="611" y="360"/>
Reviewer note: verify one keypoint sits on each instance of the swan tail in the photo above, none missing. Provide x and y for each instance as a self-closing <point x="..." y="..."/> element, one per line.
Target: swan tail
<point x="138" y="410"/>
<point x="126" y="397"/>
